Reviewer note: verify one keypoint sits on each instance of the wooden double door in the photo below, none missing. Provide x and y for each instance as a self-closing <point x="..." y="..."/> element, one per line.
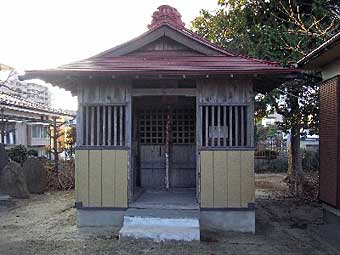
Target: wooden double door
<point x="167" y="147"/>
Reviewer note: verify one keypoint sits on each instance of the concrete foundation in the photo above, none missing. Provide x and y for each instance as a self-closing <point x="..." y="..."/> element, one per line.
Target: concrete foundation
<point x="331" y="215"/>
<point x="100" y="218"/>
<point x="228" y="220"/>
<point x="224" y="220"/>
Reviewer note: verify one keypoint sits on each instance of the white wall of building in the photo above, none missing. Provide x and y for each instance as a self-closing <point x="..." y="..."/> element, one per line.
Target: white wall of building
<point x="331" y="70"/>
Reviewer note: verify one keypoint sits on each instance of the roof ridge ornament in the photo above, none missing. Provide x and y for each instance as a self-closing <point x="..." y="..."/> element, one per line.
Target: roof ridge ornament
<point x="166" y="14"/>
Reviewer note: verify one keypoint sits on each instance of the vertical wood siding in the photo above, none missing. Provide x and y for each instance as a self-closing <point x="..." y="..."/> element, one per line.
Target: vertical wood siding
<point x="227" y="179"/>
<point x="231" y="91"/>
<point x="102" y="178"/>
<point x="227" y="114"/>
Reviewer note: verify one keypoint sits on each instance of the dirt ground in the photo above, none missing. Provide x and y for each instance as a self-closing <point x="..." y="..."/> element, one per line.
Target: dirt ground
<point x="45" y="224"/>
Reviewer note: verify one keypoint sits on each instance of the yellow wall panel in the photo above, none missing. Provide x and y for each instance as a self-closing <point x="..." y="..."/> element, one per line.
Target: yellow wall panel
<point x="234" y="179"/>
<point x="95" y="178"/>
<point x="121" y="178"/>
<point x="81" y="177"/>
<point x="108" y="178"/>
<point x="102" y="178"/>
<point x="248" y="178"/>
<point x="207" y="179"/>
<point x="220" y="179"/>
<point x="227" y="179"/>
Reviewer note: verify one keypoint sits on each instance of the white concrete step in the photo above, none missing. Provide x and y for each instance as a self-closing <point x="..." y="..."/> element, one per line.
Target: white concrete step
<point x="161" y="233"/>
<point x="162" y="222"/>
<point x="161" y="225"/>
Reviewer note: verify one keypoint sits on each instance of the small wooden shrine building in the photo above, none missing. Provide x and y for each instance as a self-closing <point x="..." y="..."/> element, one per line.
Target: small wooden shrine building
<point x="166" y="112"/>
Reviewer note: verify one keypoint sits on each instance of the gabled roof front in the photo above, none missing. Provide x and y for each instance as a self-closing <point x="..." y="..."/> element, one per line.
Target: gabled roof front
<point x="167" y="48"/>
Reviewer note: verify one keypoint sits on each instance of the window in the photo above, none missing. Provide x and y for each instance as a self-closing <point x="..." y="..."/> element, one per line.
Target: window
<point x="39" y="131"/>
<point x="103" y="125"/>
<point x="45" y="132"/>
<point x="36" y="132"/>
<point x="224" y="126"/>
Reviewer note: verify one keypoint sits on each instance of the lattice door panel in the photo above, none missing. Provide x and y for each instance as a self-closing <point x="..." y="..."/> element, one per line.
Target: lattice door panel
<point x="152" y="125"/>
<point x="183" y="126"/>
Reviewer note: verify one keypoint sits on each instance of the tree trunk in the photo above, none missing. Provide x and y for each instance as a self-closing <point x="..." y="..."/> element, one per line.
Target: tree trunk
<point x="55" y="144"/>
<point x="295" y="172"/>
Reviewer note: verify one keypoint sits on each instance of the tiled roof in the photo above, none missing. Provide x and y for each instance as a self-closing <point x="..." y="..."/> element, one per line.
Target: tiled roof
<point x="173" y="65"/>
<point x="10" y="100"/>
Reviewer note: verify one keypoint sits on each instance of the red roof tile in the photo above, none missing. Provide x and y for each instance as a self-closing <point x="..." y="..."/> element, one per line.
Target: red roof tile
<point x="188" y="64"/>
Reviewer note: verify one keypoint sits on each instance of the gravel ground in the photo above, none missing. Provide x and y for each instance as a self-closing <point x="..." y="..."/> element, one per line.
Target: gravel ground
<point x="45" y="224"/>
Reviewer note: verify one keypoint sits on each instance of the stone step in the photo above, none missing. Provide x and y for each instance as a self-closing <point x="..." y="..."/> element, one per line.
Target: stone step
<point x="161" y="225"/>
<point x="160" y="233"/>
<point x="161" y="222"/>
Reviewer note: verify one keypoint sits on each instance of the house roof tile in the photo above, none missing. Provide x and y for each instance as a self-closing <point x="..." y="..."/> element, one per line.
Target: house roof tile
<point x="10" y="100"/>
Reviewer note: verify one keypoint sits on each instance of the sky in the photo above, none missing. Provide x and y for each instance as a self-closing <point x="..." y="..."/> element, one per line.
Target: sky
<point x="40" y="34"/>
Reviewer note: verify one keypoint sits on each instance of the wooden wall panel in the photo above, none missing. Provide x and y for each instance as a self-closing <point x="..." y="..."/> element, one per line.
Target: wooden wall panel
<point x="220" y="179"/>
<point x="82" y="177"/>
<point x="227" y="179"/>
<point x="207" y="179"/>
<point x="102" y="178"/>
<point x="95" y="178"/>
<point x="225" y="91"/>
<point x="247" y="177"/>
<point x="234" y="178"/>
<point x="108" y="178"/>
<point x="121" y="179"/>
<point x="105" y="91"/>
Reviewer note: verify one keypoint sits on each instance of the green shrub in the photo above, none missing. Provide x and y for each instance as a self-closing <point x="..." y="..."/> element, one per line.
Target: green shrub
<point x="32" y="153"/>
<point x="18" y="154"/>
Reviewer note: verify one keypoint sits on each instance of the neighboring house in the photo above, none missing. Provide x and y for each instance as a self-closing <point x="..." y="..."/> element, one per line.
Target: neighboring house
<point x="166" y="111"/>
<point x="27" y="123"/>
<point x="6" y="68"/>
<point x="326" y="59"/>
<point x="271" y="119"/>
<point x="26" y="90"/>
<point x="308" y="141"/>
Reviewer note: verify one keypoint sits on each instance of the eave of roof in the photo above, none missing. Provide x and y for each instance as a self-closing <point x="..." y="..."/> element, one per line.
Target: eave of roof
<point x="193" y="65"/>
<point x="323" y="54"/>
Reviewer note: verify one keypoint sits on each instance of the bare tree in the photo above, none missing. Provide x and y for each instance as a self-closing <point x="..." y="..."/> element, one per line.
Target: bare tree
<point x="56" y="131"/>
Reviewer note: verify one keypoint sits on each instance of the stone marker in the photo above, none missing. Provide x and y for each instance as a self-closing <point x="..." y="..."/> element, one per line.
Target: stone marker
<point x="35" y="175"/>
<point x="12" y="181"/>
